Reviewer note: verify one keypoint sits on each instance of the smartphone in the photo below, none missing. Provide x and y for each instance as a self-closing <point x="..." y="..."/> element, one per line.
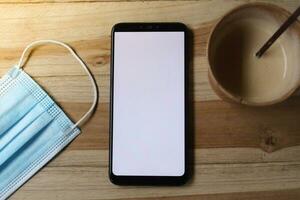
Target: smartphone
<point x="148" y="104"/>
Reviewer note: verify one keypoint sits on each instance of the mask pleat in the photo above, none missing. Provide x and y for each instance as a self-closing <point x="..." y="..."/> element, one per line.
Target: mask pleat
<point x="21" y="125"/>
<point x="33" y="128"/>
<point x="28" y="153"/>
<point x="25" y="136"/>
<point x="23" y="102"/>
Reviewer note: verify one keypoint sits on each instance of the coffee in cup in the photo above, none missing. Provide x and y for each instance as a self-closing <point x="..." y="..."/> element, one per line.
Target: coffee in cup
<point x="236" y="74"/>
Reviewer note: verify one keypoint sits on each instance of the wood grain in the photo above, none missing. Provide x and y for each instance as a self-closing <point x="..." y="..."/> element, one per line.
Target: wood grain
<point x="82" y="174"/>
<point x="230" y="141"/>
<point x="237" y="126"/>
<point x="88" y="31"/>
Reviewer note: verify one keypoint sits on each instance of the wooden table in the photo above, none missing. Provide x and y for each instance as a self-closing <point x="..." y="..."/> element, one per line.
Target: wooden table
<point x="231" y="142"/>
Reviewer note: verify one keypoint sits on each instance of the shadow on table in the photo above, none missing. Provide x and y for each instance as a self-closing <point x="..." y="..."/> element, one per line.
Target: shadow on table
<point x="190" y="114"/>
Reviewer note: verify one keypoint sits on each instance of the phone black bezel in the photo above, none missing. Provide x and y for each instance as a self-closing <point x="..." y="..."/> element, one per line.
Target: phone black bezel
<point x="148" y="180"/>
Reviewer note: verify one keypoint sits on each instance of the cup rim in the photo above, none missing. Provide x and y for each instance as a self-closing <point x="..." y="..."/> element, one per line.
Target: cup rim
<point x="213" y="78"/>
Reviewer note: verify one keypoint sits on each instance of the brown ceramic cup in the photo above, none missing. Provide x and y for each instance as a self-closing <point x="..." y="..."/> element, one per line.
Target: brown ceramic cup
<point x="235" y="74"/>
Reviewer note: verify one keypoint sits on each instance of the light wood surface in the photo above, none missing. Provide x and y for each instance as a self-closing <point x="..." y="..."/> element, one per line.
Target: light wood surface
<point x="231" y="142"/>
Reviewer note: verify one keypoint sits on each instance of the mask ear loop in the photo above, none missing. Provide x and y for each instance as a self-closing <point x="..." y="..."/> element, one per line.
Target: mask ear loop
<point x="88" y="114"/>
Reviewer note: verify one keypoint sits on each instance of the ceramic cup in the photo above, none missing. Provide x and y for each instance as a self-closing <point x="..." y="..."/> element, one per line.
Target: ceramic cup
<point x="235" y="74"/>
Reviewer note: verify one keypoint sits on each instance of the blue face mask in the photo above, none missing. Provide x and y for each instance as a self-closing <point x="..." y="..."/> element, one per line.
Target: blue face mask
<point x="33" y="129"/>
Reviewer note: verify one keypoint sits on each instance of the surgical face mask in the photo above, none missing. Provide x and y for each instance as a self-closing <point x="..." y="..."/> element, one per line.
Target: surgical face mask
<point x="33" y="128"/>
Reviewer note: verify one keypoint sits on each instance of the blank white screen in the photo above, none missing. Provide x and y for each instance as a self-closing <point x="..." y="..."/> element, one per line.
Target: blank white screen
<point x="148" y="104"/>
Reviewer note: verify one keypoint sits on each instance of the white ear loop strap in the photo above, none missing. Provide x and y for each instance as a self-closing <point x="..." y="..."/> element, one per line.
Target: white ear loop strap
<point x="84" y="66"/>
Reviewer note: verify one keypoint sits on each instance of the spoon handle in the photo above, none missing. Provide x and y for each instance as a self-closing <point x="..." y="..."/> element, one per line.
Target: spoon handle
<point x="277" y="34"/>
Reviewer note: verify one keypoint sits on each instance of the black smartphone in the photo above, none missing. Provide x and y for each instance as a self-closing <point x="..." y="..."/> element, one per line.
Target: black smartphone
<point x="148" y="104"/>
